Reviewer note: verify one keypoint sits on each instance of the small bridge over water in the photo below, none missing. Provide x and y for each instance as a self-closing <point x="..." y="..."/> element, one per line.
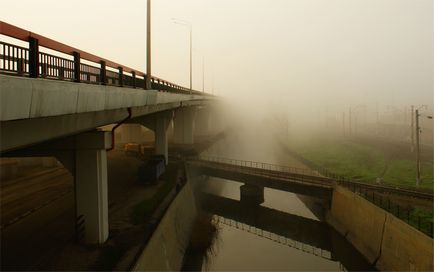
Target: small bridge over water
<point x="290" y="179"/>
<point x="257" y="176"/>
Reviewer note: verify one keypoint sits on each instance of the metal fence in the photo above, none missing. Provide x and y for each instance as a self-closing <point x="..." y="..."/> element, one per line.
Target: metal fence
<point x="405" y="213"/>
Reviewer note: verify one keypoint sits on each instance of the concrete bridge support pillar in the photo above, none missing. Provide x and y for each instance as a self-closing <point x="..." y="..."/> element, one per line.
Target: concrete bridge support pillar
<point x="251" y="195"/>
<point x="159" y="123"/>
<point x="91" y="186"/>
<point x="202" y="122"/>
<point x="184" y="126"/>
<point x="161" y="145"/>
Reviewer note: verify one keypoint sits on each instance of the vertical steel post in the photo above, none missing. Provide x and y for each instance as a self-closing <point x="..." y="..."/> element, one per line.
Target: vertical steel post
<point x="148" y="85"/>
<point x="33" y="57"/>
<point x="20" y="66"/>
<point x="77" y="71"/>
<point x="121" y="76"/>
<point x="102" y="76"/>
<point x="134" y="78"/>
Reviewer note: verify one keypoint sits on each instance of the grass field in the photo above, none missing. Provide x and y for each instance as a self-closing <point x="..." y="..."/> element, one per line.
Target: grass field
<point x="364" y="163"/>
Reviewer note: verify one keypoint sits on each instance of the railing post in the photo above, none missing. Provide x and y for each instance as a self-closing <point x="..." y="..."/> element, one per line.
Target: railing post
<point x="44" y="69"/>
<point x="77" y="71"/>
<point x="20" y="66"/>
<point x="61" y="72"/>
<point x="134" y="78"/>
<point x="121" y="76"/>
<point x="33" y="57"/>
<point x="102" y="76"/>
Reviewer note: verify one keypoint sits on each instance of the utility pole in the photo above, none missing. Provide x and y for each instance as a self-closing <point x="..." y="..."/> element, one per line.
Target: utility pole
<point x="191" y="59"/>
<point x="203" y="73"/>
<point x="417" y="150"/>
<point x="377" y="120"/>
<point x="412" y="128"/>
<point x="148" y="46"/>
<point x="349" y="123"/>
<point x="343" y="123"/>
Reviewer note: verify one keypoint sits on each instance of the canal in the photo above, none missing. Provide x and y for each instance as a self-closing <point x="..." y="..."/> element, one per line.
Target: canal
<point x="286" y="232"/>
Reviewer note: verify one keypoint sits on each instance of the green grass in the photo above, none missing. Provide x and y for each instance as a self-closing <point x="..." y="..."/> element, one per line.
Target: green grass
<point x="346" y="159"/>
<point x="402" y="172"/>
<point x="364" y="163"/>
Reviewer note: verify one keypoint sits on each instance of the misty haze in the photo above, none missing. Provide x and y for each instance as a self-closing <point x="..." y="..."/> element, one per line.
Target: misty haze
<point x="217" y="135"/>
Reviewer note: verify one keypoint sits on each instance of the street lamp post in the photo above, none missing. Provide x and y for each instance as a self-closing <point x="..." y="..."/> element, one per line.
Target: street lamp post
<point x="188" y="24"/>
<point x="148" y="46"/>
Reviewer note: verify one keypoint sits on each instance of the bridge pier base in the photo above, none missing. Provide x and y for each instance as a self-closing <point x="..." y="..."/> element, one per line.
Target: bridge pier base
<point x="91" y="186"/>
<point x="251" y="195"/>
<point x="184" y="126"/>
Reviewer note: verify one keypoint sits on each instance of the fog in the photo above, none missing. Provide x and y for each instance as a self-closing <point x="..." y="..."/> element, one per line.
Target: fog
<point x="306" y="61"/>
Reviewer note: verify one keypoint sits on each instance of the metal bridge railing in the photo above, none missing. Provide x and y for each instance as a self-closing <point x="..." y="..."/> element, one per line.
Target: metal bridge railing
<point x="294" y="174"/>
<point x="30" y="61"/>
<point x="261" y="166"/>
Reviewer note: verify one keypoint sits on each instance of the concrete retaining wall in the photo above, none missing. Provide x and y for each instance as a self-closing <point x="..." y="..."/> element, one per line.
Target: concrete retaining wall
<point x="382" y="238"/>
<point x="165" y="250"/>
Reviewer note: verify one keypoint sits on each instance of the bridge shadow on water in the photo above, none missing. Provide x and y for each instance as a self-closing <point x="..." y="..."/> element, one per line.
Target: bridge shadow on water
<point x="308" y="235"/>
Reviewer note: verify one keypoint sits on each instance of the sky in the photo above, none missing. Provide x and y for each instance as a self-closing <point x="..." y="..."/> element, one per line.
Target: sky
<point x="308" y="55"/>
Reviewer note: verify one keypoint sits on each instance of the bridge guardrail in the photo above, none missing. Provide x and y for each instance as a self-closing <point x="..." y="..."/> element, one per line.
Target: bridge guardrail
<point x="30" y="62"/>
<point x="299" y="175"/>
<point x="261" y="165"/>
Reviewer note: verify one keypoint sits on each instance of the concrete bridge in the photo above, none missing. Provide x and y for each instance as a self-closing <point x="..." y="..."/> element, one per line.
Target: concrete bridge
<point x="257" y="176"/>
<point x="55" y="104"/>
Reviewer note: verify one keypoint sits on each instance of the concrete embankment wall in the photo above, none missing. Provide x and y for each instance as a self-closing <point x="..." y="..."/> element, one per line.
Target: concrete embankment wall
<point x="383" y="239"/>
<point x="165" y="250"/>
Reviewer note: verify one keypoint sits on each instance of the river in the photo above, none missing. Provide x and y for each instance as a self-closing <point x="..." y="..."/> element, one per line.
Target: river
<point x="286" y="232"/>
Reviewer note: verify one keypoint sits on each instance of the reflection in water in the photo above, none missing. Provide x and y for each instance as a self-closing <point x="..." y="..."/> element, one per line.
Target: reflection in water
<point x="281" y="234"/>
<point x="286" y="232"/>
